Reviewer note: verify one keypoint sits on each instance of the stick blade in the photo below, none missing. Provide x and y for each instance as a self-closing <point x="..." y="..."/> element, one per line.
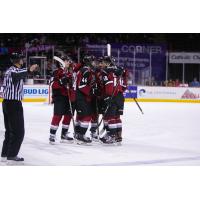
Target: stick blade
<point x="108" y="49"/>
<point x="59" y="60"/>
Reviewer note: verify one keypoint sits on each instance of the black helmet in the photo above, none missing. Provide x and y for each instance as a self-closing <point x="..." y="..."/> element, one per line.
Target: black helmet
<point x="109" y="60"/>
<point x="67" y="58"/>
<point x="88" y="59"/>
<point x="15" y="57"/>
<point x="100" y="59"/>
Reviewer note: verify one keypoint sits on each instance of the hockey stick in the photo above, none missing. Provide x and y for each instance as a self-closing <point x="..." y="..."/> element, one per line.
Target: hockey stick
<point x="138" y="105"/>
<point x="106" y="111"/>
<point x="50" y="97"/>
<point x="60" y="61"/>
<point x="108" y="49"/>
<point x="97" y="110"/>
<point x="70" y="103"/>
<point x="70" y="106"/>
<point x="108" y="106"/>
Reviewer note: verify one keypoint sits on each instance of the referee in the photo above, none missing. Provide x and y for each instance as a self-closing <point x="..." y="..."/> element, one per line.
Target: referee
<point x="12" y="108"/>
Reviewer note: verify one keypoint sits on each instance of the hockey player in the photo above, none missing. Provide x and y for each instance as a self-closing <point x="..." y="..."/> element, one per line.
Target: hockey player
<point x="114" y="85"/>
<point x="62" y="79"/>
<point x="95" y="68"/>
<point x="84" y="92"/>
<point x="122" y="76"/>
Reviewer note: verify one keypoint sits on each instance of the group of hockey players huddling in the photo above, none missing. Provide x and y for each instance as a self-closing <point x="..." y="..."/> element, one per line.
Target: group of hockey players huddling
<point x="90" y="89"/>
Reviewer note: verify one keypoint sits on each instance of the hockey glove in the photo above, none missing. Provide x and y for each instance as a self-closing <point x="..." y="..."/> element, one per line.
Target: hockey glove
<point x="119" y="71"/>
<point x="64" y="81"/>
<point x="107" y="101"/>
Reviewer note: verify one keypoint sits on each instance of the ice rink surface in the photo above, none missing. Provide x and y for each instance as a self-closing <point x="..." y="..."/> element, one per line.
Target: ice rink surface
<point x="167" y="134"/>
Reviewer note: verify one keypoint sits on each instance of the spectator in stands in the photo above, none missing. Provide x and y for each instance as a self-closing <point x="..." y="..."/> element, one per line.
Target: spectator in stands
<point x="85" y="40"/>
<point x="165" y="83"/>
<point x="195" y="83"/>
<point x="177" y="83"/>
<point x="153" y="81"/>
<point x="171" y="83"/>
<point x="49" y="68"/>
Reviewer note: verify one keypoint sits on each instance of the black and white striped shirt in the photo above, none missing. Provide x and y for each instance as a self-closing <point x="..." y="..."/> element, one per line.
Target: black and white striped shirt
<point x="13" y="83"/>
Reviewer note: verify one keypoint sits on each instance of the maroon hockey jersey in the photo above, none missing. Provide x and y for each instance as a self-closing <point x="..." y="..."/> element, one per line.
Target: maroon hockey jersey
<point x="113" y="84"/>
<point x="84" y="82"/>
<point x="57" y="87"/>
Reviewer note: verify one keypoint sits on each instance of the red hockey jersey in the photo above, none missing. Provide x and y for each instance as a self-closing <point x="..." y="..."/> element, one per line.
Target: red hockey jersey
<point x="84" y="82"/>
<point x="61" y="88"/>
<point x="113" y="84"/>
<point x="57" y="87"/>
<point x="73" y="70"/>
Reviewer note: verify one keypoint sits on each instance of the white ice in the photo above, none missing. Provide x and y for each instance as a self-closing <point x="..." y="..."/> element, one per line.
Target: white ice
<point x="167" y="134"/>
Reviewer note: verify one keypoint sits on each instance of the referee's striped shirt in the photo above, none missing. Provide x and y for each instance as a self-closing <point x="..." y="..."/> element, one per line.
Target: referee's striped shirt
<point x="13" y="83"/>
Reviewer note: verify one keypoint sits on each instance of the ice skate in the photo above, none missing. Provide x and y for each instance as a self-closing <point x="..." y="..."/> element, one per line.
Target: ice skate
<point x="52" y="139"/>
<point x="94" y="136"/>
<point x="15" y="161"/>
<point x="66" y="139"/>
<point x="118" y="139"/>
<point x="82" y="139"/>
<point x="107" y="139"/>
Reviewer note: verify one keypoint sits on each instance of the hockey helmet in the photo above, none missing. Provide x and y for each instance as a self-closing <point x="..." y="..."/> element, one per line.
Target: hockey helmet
<point x="100" y="59"/>
<point x="88" y="59"/>
<point x="66" y="58"/>
<point x="107" y="59"/>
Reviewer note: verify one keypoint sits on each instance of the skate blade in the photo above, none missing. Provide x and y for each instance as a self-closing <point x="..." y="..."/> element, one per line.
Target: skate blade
<point x="52" y="143"/>
<point x="95" y="140"/>
<point x="83" y="143"/>
<point x="111" y="144"/>
<point x="67" y="141"/>
<point x="108" y="145"/>
<point x="118" y="143"/>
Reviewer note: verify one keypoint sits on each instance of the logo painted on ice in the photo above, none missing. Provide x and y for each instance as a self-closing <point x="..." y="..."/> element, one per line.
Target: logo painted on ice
<point x="142" y="92"/>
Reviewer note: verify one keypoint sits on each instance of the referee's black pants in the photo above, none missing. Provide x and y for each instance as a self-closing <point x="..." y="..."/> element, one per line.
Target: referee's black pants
<point x="14" y="126"/>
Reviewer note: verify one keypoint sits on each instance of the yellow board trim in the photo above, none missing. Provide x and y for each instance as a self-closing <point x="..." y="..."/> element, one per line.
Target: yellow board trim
<point x="129" y="100"/>
<point x="35" y="100"/>
<point x="165" y="100"/>
<point x="32" y="100"/>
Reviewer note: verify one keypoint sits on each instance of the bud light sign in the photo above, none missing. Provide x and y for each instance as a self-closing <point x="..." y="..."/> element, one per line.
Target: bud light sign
<point x="131" y="92"/>
<point x="36" y="91"/>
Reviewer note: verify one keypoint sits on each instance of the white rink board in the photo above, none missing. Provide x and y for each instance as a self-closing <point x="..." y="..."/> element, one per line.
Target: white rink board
<point x="40" y="93"/>
<point x="34" y="93"/>
<point x="179" y="93"/>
